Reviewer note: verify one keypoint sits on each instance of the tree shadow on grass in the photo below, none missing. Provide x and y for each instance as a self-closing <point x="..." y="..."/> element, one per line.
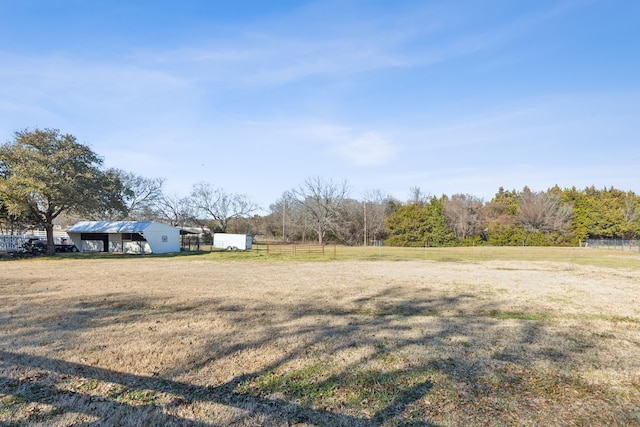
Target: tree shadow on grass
<point x="110" y="410"/>
<point x="383" y="386"/>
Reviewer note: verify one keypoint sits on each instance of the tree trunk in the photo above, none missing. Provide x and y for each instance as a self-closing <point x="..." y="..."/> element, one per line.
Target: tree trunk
<point x="51" y="247"/>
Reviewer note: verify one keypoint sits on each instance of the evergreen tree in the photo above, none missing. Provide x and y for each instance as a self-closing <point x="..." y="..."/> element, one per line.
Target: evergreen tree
<point x="419" y="224"/>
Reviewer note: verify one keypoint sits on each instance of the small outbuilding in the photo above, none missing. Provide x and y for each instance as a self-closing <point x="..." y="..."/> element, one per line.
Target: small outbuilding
<point x="142" y="237"/>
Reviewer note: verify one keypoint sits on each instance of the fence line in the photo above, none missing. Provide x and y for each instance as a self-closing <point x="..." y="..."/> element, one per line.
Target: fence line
<point x="614" y="244"/>
<point x="14" y="242"/>
<point x="297" y="249"/>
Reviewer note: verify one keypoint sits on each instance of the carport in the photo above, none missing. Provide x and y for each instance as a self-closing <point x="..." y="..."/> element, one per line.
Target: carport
<point x="125" y="237"/>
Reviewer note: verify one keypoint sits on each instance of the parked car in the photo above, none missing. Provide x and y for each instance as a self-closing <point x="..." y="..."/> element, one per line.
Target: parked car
<point x="37" y="246"/>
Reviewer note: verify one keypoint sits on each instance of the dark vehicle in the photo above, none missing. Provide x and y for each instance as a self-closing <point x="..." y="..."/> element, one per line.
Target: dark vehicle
<point x="37" y="246"/>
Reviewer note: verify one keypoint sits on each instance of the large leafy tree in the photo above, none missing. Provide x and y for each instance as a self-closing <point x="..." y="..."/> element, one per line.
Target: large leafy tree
<point x="9" y="223"/>
<point x="605" y="213"/>
<point x="419" y="223"/>
<point x="46" y="173"/>
<point x="407" y="226"/>
<point x="500" y="215"/>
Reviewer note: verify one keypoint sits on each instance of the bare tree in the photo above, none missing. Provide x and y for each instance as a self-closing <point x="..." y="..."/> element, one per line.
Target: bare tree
<point x="363" y="221"/>
<point x="283" y="215"/>
<point x="463" y="213"/>
<point x="543" y="212"/>
<point x="176" y="210"/>
<point x="219" y="205"/>
<point x="298" y="223"/>
<point x="322" y="201"/>
<point x="631" y="224"/>
<point x="349" y="228"/>
<point x="631" y="211"/>
<point x="253" y="225"/>
<point x="375" y="208"/>
<point x="141" y="194"/>
<point x="417" y="196"/>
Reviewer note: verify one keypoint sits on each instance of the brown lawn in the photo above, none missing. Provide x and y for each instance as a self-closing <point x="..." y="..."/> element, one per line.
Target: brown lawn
<point x="197" y="341"/>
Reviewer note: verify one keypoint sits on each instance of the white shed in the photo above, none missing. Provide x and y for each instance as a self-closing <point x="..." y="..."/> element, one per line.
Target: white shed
<point x="142" y="237"/>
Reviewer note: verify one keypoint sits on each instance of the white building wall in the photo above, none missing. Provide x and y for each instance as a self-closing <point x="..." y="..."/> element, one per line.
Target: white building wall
<point x="162" y="238"/>
<point x="115" y="242"/>
<point x="92" y="246"/>
<point x="137" y="247"/>
<point x="75" y="239"/>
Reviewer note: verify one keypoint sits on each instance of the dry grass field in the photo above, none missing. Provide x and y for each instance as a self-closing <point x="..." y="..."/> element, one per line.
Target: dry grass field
<point x="249" y="340"/>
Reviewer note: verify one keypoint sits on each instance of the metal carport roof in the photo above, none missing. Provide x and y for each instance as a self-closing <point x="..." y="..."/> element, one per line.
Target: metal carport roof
<point x="109" y="227"/>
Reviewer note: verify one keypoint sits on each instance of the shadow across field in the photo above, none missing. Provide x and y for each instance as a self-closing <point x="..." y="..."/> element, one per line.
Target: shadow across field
<point x="391" y="357"/>
<point x="42" y="378"/>
<point x="114" y="412"/>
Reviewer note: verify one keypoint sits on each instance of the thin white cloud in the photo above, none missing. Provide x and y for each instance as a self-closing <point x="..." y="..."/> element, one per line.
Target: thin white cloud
<point x="368" y="149"/>
<point x="357" y="148"/>
<point x="70" y="92"/>
<point x="69" y="71"/>
<point x="268" y="59"/>
<point x="275" y="54"/>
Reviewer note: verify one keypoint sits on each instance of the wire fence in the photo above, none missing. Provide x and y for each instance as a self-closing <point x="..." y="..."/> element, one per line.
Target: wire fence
<point x="614" y="244"/>
<point x="298" y="249"/>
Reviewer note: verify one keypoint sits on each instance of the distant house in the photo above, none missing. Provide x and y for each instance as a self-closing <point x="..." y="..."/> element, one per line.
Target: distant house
<point x="142" y="237"/>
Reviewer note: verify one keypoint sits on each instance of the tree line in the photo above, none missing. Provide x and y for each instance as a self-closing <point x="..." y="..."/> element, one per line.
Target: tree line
<point x="47" y="176"/>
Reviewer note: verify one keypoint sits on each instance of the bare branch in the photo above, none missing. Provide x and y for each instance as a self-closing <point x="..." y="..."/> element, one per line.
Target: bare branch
<point x="323" y="202"/>
<point x="219" y="205"/>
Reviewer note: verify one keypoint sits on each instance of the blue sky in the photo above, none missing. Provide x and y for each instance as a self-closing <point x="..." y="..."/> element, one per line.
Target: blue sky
<point x="255" y="96"/>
